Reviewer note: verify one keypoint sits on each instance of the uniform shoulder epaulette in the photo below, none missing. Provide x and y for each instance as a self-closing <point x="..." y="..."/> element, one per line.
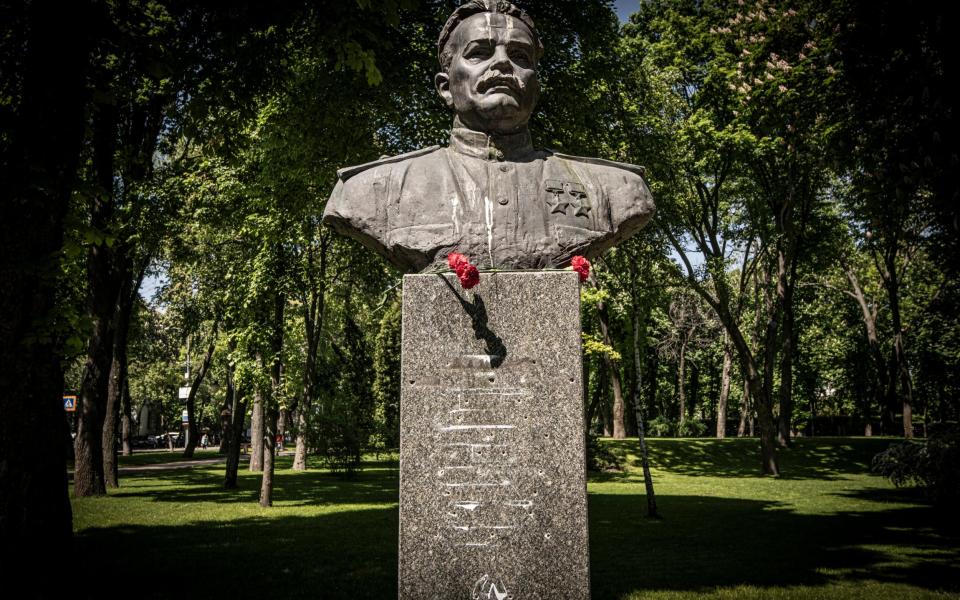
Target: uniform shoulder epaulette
<point x="641" y="171"/>
<point x="348" y="172"/>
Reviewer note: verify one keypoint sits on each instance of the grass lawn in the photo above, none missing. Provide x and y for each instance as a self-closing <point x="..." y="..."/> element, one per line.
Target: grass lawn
<point x="826" y="529"/>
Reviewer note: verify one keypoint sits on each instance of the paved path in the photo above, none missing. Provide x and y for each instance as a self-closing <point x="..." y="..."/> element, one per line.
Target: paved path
<point x="180" y="464"/>
<point x="187" y="464"/>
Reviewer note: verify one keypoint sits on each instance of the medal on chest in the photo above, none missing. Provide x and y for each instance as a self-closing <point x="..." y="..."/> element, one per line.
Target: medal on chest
<point x="567" y="198"/>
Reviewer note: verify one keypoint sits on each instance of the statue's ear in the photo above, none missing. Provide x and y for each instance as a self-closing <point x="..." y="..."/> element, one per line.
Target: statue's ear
<point x="442" y="83"/>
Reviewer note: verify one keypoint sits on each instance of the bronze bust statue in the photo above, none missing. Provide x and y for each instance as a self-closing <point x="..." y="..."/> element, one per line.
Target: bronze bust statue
<point x="488" y="194"/>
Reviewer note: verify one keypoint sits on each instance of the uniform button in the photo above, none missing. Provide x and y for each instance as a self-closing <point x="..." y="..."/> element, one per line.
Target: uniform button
<point x="503" y="200"/>
<point x="504" y="168"/>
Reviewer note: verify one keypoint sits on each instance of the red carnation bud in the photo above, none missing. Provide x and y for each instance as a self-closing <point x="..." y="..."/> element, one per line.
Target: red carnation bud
<point x="581" y="266"/>
<point x="455" y="260"/>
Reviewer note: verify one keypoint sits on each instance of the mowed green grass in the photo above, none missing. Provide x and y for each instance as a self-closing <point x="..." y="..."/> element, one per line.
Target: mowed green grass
<point x="826" y="529"/>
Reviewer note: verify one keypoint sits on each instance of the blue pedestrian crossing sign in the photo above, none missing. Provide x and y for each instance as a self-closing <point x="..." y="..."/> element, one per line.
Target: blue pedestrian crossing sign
<point x="70" y="403"/>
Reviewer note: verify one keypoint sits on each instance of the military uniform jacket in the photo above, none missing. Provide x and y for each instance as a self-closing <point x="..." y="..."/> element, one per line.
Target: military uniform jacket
<point x="494" y="199"/>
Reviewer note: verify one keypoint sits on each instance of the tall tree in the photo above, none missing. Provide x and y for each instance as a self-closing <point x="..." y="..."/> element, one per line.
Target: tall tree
<point x="42" y="110"/>
<point x="896" y="64"/>
<point x="685" y="72"/>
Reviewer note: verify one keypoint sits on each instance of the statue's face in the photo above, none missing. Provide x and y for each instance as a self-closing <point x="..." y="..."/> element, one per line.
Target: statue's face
<point x="492" y="80"/>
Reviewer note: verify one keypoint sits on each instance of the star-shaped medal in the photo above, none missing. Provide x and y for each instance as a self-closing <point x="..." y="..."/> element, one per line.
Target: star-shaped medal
<point x="583" y="202"/>
<point x="557" y="205"/>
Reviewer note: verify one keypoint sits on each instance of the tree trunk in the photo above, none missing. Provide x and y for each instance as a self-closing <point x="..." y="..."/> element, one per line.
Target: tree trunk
<point x="888" y="416"/>
<point x="126" y="424"/>
<point x="906" y="387"/>
<point x="314" y="309"/>
<point x="226" y="426"/>
<point x="604" y="407"/>
<point x="641" y="434"/>
<point x="900" y="370"/>
<point x="786" y="382"/>
<point x="88" y="477"/>
<point x="271" y="412"/>
<point x="602" y="400"/>
<point x="587" y="399"/>
<point x="281" y="429"/>
<point x="111" y="471"/>
<point x="759" y="385"/>
<point x="694" y="395"/>
<point x="681" y="380"/>
<point x="724" y="389"/>
<point x="744" y="410"/>
<point x="300" y="456"/>
<point x="229" y="401"/>
<point x="192" y="396"/>
<point x="869" y="312"/>
<point x="597" y="399"/>
<point x="43" y="131"/>
<point x="630" y="421"/>
<point x="269" y="447"/>
<point x="256" y="432"/>
<point x="619" y="430"/>
<point x="768" y="437"/>
<point x="102" y="296"/>
<point x="613" y="369"/>
<point x="118" y="365"/>
<point x="787" y="333"/>
<point x="238" y="414"/>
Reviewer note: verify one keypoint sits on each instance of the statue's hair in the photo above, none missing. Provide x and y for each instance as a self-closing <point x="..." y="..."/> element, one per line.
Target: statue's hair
<point x="474" y="7"/>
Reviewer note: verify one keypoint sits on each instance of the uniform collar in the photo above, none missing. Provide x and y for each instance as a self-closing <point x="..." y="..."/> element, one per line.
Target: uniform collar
<point x="495" y="147"/>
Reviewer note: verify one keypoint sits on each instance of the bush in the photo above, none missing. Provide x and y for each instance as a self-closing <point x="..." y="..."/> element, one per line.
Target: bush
<point x="903" y="464"/>
<point x="691" y="428"/>
<point x="932" y="465"/>
<point x="599" y="456"/>
<point x="339" y="441"/>
<point x="660" y="427"/>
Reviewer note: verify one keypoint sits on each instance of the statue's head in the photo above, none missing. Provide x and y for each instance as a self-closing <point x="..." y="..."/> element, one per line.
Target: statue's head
<point x="488" y="53"/>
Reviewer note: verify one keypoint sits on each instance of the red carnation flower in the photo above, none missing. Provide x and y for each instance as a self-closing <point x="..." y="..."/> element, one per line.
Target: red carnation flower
<point x="455" y="260"/>
<point x="468" y="274"/>
<point x="581" y="266"/>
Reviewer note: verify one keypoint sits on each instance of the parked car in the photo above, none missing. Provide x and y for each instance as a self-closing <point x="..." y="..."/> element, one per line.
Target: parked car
<point x="144" y="442"/>
<point x="178" y="439"/>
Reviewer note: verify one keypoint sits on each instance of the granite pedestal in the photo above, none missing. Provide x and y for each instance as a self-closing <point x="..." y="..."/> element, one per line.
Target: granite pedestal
<point x="492" y="471"/>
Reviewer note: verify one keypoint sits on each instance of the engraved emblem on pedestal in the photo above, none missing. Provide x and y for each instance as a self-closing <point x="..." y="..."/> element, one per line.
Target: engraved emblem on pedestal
<point x="490" y="588"/>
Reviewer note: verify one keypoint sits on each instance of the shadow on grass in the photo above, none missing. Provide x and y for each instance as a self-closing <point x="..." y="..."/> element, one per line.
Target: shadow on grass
<point x="808" y="458"/>
<point x="347" y="554"/>
<point x="377" y="483"/>
<point x="704" y="544"/>
<point x="707" y="542"/>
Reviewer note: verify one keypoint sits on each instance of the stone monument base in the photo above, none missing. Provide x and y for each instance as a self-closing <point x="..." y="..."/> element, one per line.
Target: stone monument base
<point x="492" y="463"/>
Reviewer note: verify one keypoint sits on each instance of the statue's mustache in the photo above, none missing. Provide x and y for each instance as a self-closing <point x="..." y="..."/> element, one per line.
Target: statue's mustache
<point x="494" y="78"/>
